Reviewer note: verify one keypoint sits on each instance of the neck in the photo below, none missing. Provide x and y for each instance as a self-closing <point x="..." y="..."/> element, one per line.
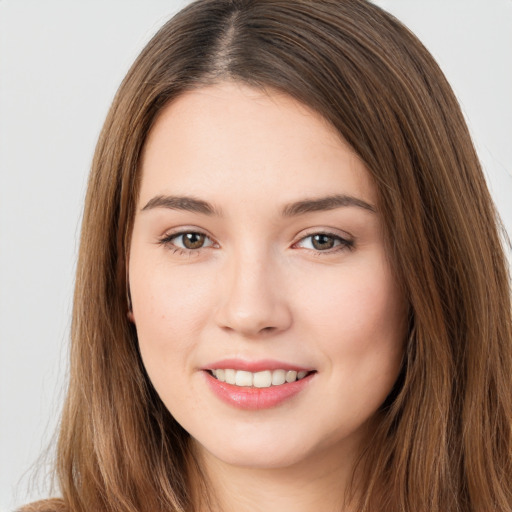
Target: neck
<point x="317" y="483"/>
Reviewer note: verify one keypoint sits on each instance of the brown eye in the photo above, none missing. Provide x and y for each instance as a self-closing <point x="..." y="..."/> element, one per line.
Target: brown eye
<point x="193" y="240"/>
<point x="325" y="242"/>
<point x="322" y="242"/>
<point x="187" y="241"/>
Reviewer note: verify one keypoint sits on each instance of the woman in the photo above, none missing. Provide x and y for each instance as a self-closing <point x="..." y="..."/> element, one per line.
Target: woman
<point x="291" y="291"/>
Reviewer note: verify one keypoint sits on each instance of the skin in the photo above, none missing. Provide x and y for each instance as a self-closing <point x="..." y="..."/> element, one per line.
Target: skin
<point x="260" y="289"/>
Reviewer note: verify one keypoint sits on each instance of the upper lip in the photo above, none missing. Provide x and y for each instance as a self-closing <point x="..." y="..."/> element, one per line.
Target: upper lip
<point x="255" y="366"/>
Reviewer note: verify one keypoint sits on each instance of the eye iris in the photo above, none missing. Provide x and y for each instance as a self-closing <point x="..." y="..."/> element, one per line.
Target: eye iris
<point x="322" y="242"/>
<point x="193" y="240"/>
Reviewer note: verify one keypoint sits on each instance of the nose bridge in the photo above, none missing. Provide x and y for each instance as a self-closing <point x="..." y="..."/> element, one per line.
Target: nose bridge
<point x="253" y="298"/>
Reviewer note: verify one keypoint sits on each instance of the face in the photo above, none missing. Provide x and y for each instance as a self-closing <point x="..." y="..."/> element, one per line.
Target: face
<point x="268" y="318"/>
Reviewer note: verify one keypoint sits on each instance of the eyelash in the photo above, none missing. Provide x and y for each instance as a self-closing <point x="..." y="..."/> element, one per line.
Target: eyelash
<point x="343" y="245"/>
<point x="167" y="241"/>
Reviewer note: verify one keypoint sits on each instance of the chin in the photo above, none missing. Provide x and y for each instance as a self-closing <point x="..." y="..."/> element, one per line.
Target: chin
<point x="255" y="454"/>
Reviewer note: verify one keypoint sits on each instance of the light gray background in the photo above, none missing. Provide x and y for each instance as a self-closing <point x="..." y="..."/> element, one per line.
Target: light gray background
<point x="60" y="64"/>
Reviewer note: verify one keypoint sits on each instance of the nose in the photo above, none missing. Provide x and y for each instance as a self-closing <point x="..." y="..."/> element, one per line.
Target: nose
<point x="253" y="299"/>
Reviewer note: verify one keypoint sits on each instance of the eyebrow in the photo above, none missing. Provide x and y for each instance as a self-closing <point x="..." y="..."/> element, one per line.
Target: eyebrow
<point x="193" y="204"/>
<point x="325" y="203"/>
<point x="186" y="203"/>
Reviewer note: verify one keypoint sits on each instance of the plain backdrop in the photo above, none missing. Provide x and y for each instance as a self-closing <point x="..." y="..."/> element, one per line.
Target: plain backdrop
<point x="60" y="65"/>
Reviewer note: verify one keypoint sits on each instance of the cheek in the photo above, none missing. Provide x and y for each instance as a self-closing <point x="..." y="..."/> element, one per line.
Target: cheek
<point x="154" y="301"/>
<point x="171" y="306"/>
<point x="167" y="320"/>
<point x="359" y="321"/>
<point x="167" y="300"/>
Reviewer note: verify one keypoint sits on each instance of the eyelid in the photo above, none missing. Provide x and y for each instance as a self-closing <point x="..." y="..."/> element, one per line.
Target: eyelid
<point x="169" y="235"/>
<point x="346" y="241"/>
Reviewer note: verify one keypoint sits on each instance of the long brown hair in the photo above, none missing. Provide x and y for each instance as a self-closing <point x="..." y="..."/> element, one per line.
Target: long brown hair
<point x="444" y="440"/>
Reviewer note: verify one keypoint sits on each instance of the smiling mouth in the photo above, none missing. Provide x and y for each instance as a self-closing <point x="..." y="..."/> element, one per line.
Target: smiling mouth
<point x="263" y="379"/>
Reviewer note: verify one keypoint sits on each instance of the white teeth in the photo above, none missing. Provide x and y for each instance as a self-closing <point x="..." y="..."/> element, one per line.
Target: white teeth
<point x="230" y="376"/>
<point x="278" y="377"/>
<point x="291" y="376"/>
<point x="263" y="379"/>
<point x="243" y="378"/>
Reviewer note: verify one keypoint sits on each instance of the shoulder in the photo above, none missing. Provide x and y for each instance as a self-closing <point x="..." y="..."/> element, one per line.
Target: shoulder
<point x="51" y="505"/>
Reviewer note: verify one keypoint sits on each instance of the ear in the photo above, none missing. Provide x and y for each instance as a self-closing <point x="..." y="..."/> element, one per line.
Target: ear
<point x="130" y="316"/>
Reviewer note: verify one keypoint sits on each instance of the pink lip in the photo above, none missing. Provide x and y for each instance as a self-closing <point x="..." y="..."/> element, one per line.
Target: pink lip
<point x="254" y="366"/>
<point x="251" y="398"/>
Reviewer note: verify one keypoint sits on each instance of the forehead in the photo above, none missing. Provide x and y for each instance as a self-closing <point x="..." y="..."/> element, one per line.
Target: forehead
<point x="235" y="139"/>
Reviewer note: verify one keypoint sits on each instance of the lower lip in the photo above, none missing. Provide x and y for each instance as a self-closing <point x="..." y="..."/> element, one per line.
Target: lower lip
<point x="256" y="398"/>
